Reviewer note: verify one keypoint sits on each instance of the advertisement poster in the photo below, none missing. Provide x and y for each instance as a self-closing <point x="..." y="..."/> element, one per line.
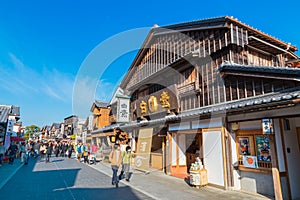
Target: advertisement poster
<point x="263" y="148"/>
<point x="244" y="146"/>
<point x="250" y="161"/>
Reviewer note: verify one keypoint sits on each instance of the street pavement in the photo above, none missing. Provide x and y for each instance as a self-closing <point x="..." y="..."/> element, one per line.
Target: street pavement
<point x="64" y="178"/>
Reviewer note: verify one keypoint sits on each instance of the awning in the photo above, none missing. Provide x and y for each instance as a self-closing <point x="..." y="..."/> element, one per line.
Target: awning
<point x="18" y="139"/>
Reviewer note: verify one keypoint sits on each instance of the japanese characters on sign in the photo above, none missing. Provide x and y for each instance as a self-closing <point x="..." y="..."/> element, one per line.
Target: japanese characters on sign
<point x="164" y="100"/>
<point x="267" y="126"/>
<point x="157" y="102"/>
<point x="123" y="110"/>
<point x="143" y="107"/>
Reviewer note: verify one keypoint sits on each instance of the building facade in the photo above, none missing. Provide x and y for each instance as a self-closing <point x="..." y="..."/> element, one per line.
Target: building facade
<point x="223" y="91"/>
<point x="9" y="125"/>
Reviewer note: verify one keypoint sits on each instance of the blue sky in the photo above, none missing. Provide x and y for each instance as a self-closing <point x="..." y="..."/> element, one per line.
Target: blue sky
<point x="44" y="43"/>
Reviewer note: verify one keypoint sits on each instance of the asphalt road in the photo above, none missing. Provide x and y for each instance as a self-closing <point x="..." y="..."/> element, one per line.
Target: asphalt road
<point x="64" y="178"/>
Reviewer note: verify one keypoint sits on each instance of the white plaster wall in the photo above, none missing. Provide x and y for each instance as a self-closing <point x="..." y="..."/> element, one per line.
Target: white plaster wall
<point x="179" y="126"/>
<point x="236" y="173"/>
<point x="209" y="123"/>
<point x="293" y="158"/>
<point x="279" y="147"/>
<point x="251" y="125"/>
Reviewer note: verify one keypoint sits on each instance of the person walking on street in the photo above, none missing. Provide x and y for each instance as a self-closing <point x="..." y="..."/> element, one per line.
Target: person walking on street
<point x="79" y="150"/>
<point x="36" y="148"/>
<point x="115" y="158"/>
<point x="85" y="154"/>
<point x="13" y="149"/>
<point x="28" y="151"/>
<point x="43" y="150"/>
<point x="56" y="149"/>
<point x="2" y="152"/>
<point x="22" y="152"/>
<point x="64" y="148"/>
<point x="48" y="152"/>
<point x="126" y="157"/>
<point x="70" y="150"/>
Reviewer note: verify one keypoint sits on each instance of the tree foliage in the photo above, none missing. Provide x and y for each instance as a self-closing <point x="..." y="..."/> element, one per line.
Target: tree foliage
<point x="30" y="130"/>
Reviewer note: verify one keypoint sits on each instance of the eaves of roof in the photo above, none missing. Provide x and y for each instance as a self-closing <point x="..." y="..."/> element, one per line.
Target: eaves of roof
<point x="262" y="101"/>
<point x="286" y="73"/>
<point x="4" y="110"/>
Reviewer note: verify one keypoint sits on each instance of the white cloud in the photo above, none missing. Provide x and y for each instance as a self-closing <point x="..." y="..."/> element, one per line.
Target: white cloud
<point x="21" y="80"/>
<point x="24" y="80"/>
<point x="86" y="93"/>
<point x="105" y="90"/>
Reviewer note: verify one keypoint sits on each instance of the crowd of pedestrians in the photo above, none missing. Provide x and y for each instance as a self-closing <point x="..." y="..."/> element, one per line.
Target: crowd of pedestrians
<point x="41" y="149"/>
<point x="45" y="149"/>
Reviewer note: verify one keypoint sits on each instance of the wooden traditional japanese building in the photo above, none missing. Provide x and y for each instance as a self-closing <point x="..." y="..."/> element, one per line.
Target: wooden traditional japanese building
<point x="226" y="92"/>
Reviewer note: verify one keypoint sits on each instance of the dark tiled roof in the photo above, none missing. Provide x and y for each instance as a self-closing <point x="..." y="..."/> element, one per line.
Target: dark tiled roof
<point x="222" y="108"/>
<point x="245" y="103"/>
<point x="223" y="19"/>
<point x="47" y="128"/>
<point x="101" y="104"/>
<point x="56" y="125"/>
<point x="261" y="69"/>
<point x="195" y="22"/>
<point x="4" y="110"/>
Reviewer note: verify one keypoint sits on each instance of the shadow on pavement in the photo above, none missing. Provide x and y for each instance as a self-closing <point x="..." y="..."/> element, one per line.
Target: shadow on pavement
<point x="57" y="160"/>
<point x="39" y="180"/>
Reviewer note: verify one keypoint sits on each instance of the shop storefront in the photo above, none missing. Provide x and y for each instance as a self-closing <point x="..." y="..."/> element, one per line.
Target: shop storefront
<point x="210" y="84"/>
<point x="267" y="152"/>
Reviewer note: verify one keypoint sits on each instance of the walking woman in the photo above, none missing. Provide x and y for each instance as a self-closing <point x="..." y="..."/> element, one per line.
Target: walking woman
<point x="115" y="159"/>
<point x="49" y="152"/>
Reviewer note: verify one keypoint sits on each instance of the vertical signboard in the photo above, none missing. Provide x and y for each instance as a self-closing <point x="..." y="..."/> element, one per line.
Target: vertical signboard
<point x="90" y="124"/>
<point x="10" y="127"/>
<point x="144" y="149"/>
<point x="267" y="126"/>
<point x="123" y="110"/>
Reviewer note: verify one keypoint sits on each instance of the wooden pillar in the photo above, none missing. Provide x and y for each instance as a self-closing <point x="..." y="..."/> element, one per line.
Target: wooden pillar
<point x="168" y="153"/>
<point x="275" y="170"/>
<point x="164" y="155"/>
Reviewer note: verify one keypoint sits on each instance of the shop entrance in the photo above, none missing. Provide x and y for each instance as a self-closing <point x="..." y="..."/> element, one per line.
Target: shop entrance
<point x="185" y="148"/>
<point x="193" y="142"/>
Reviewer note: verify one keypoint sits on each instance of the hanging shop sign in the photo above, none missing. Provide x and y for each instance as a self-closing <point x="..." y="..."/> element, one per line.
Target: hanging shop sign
<point x="10" y="127"/>
<point x="163" y="101"/>
<point x="267" y="126"/>
<point x="123" y="109"/>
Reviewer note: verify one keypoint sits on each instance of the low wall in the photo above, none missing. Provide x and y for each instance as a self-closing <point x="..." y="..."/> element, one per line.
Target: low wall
<point x="257" y="183"/>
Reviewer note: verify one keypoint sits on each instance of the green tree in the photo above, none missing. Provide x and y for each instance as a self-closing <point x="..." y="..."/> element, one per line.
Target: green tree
<point x="30" y="130"/>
